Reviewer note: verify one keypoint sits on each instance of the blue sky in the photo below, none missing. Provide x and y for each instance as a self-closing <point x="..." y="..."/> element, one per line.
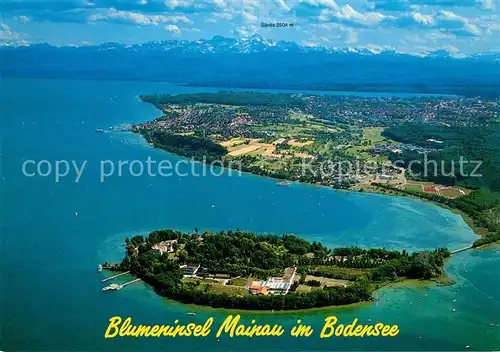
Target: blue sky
<point x="413" y="26"/>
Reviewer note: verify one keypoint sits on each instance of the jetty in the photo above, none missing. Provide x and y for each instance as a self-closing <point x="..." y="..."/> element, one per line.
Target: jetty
<point x="130" y="282"/>
<point x="114" y="276"/>
<point x="116" y="287"/>
<point x="461" y="250"/>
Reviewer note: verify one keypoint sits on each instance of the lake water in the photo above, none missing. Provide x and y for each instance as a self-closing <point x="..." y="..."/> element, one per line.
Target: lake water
<point x="54" y="234"/>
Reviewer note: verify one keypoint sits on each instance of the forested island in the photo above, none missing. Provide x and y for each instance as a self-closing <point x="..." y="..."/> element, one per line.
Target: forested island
<point x="243" y="270"/>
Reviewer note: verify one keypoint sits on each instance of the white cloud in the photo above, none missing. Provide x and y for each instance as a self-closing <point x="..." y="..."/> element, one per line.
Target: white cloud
<point x="88" y="3"/>
<point x="220" y="4"/>
<point x="172" y="4"/>
<point x="337" y="32"/>
<point x="450" y="48"/>
<point x="425" y="20"/>
<point x="312" y="8"/>
<point x="330" y="4"/>
<point x="450" y="16"/>
<point x="250" y="4"/>
<point x="494" y="27"/>
<point x="224" y="15"/>
<point x="445" y="21"/>
<point x="10" y="37"/>
<point x="352" y="36"/>
<point x="113" y="15"/>
<point x="435" y="36"/>
<point x="487" y="4"/>
<point x="346" y="14"/>
<point x="249" y="17"/>
<point x="449" y="21"/>
<point x="173" y="29"/>
<point x="22" y="19"/>
<point x="283" y="5"/>
<point x="245" y="32"/>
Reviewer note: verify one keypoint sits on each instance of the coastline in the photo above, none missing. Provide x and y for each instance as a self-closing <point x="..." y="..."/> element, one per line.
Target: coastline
<point x="480" y="231"/>
<point x="364" y="188"/>
<point x="443" y="280"/>
<point x="399" y="283"/>
<point x="468" y="220"/>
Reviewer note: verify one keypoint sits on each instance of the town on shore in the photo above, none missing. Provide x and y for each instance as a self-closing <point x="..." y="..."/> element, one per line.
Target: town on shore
<point x="390" y="140"/>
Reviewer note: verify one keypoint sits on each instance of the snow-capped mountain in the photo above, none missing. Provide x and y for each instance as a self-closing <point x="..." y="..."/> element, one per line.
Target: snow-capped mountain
<point x="260" y="63"/>
<point x="217" y="44"/>
<point x="258" y="44"/>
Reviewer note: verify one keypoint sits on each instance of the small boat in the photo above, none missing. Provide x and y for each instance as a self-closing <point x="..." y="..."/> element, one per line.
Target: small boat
<point x="285" y="183"/>
<point x="191" y="313"/>
<point x="114" y="287"/>
<point x="99" y="130"/>
<point x="99" y="268"/>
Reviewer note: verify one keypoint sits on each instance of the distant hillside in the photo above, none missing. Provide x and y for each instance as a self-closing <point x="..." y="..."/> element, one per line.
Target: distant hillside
<point x="259" y="63"/>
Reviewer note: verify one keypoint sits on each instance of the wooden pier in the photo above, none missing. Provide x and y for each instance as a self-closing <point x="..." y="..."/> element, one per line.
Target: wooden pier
<point x="114" y="276"/>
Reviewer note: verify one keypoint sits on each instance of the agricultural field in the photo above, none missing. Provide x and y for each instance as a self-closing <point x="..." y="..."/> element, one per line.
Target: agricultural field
<point x="300" y="143"/>
<point x="229" y="289"/>
<point x="451" y="192"/>
<point x="370" y="137"/>
<point x="303" y="289"/>
<point x="339" y="272"/>
<point x="327" y="281"/>
<point x="429" y="187"/>
<point x="414" y="188"/>
<point x="211" y="285"/>
<point x="373" y="135"/>
<point x="267" y="150"/>
<point x="242" y="281"/>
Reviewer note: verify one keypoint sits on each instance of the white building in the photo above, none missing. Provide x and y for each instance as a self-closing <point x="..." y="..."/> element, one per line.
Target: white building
<point x="165" y="246"/>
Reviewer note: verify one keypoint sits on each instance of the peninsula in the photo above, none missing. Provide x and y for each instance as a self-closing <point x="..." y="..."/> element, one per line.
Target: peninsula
<point x="365" y="144"/>
<point x="243" y="270"/>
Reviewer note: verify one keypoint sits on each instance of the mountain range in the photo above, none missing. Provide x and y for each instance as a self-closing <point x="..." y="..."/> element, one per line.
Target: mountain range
<point x="257" y="62"/>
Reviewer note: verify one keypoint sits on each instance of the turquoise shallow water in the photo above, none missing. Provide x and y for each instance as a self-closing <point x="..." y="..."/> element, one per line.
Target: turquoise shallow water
<point x="51" y="297"/>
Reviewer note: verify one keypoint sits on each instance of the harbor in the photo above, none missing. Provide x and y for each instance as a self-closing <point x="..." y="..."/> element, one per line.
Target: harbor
<point x="114" y="286"/>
